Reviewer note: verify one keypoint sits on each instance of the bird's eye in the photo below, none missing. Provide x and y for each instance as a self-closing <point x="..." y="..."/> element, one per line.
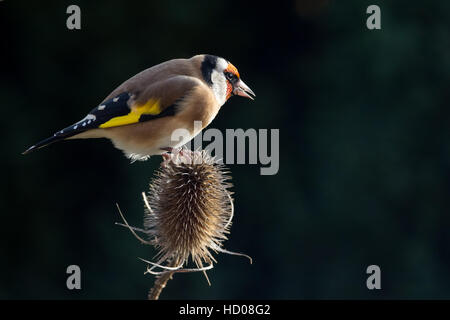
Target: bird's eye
<point x="230" y="76"/>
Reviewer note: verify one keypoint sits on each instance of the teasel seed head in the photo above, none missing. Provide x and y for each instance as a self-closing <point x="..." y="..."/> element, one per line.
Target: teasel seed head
<point x="189" y="211"/>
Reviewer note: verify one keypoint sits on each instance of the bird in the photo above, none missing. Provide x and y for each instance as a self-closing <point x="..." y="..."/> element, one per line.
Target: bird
<point x="141" y="114"/>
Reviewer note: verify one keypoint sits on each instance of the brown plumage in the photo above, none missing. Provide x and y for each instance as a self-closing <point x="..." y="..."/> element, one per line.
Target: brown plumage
<point x="141" y="115"/>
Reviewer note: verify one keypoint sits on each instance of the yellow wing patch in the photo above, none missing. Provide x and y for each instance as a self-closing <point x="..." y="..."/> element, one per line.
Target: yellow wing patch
<point x="151" y="107"/>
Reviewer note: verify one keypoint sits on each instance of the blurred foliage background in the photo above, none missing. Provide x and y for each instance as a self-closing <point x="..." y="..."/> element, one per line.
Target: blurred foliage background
<point x="365" y="147"/>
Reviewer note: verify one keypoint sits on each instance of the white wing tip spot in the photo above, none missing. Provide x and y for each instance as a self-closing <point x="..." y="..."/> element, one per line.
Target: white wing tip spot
<point x="116" y="99"/>
<point x="101" y="107"/>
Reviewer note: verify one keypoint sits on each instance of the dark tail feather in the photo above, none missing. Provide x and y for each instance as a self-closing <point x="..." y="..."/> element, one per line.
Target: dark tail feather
<point x="60" y="135"/>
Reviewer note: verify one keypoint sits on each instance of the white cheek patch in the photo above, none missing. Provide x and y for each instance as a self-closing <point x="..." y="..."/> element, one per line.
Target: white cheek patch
<point x="219" y="87"/>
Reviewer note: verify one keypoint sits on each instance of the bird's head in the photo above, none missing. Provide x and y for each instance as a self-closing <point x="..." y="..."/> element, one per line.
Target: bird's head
<point x="224" y="79"/>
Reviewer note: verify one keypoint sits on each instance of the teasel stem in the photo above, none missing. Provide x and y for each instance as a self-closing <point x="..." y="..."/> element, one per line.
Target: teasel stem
<point x="161" y="282"/>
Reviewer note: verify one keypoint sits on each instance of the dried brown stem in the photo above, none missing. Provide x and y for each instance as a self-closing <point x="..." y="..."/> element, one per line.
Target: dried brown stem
<point x="161" y="282"/>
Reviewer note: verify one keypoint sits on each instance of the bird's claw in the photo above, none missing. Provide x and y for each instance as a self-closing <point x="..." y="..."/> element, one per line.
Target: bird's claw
<point x="171" y="150"/>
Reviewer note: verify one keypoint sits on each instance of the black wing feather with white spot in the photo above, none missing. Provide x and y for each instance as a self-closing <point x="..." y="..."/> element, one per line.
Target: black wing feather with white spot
<point x="111" y="108"/>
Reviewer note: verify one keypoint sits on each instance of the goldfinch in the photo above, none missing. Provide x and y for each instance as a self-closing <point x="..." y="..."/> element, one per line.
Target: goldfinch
<point x="140" y="116"/>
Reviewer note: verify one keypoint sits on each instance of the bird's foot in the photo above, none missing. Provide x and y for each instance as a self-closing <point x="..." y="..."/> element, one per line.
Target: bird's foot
<point x="166" y="156"/>
<point x="173" y="150"/>
<point x="168" y="149"/>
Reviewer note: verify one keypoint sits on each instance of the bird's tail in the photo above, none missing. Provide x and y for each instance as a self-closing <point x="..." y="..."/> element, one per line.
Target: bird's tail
<point x="58" y="136"/>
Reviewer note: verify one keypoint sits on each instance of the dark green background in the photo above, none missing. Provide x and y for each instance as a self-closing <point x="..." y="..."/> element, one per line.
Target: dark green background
<point x="364" y="147"/>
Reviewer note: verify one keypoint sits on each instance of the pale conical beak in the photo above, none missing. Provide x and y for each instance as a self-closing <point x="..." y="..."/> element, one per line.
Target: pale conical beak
<point x="241" y="89"/>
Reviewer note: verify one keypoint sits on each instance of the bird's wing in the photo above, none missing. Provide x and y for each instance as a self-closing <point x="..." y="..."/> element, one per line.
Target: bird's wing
<point x="130" y="104"/>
